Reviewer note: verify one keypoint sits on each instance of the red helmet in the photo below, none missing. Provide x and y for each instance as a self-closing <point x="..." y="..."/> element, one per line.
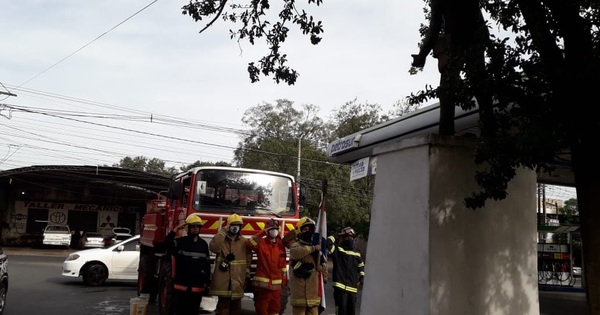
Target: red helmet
<point x="347" y="231"/>
<point x="272" y="224"/>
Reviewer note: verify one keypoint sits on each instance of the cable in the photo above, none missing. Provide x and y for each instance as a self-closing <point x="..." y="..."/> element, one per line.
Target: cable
<point x="84" y="46"/>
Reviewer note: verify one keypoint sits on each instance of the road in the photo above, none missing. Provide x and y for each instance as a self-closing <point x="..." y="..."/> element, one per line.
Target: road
<point x="36" y="284"/>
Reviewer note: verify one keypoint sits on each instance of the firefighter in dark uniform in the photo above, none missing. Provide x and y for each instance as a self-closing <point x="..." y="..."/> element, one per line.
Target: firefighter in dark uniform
<point x="348" y="271"/>
<point x="191" y="267"/>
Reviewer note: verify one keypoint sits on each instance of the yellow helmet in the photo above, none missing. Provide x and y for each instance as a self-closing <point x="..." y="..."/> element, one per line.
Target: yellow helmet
<point x="305" y="221"/>
<point x="234" y="219"/>
<point x="193" y="219"/>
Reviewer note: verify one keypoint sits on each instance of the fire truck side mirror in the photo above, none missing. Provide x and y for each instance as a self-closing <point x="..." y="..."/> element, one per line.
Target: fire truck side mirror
<point x="303" y="194"/>
<point x="175" y="190"/>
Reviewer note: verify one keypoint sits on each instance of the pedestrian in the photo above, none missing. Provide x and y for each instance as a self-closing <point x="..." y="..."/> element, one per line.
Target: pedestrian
<point x="192" y="266"/>
<point x="270" y="276"/>
<point x="348" y="270"/>
<point x="232" y="267"/>
<point x="305" y="266"/>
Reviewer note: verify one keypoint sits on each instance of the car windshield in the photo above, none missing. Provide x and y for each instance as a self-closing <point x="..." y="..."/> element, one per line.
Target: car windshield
<point x="226" y="190"/>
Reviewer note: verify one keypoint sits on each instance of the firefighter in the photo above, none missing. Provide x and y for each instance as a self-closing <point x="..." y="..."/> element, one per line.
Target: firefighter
<point x="304" y="279"/>
<point x="348" y="270"/>
<point x="191" y="266"/>
<point x="232" y="267"/>
<point x="270" y="276"/>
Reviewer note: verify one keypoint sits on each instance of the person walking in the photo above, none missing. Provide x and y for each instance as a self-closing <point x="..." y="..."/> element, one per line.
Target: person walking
<point x="270" y="276"/>
<point x="304" y="279"/>
<point x="348" y="271"/>
<point x="232" y="267"/>
<point x="191" y="266"/>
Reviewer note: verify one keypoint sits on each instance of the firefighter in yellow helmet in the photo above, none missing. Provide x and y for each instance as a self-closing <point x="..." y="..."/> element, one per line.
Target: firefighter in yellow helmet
<point x="305" y="267"/>
<point x="232" y="267"/>
<point x="192" y="265"/>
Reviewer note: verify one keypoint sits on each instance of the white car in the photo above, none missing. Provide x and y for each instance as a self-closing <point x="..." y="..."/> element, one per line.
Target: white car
<point x="117" y="262"/>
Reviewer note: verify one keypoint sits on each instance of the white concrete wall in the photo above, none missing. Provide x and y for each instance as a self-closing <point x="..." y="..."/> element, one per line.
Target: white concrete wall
<point x="429" y="254"/>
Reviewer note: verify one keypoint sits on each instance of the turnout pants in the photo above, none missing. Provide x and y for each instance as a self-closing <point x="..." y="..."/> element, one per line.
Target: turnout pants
<point x="267" y="302"/>
<point x="186" y="303"/>
<point x="345" y="302"/>
<point x="227" y="306"/>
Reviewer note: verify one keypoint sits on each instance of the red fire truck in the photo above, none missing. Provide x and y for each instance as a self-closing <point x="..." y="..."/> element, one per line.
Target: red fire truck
<point x="215" y="193"/>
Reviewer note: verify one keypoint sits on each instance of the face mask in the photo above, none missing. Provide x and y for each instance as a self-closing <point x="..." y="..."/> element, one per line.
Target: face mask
<point x="234" y="229"/>
<point x="273" y="233"/>
<point x="306" y="236"/>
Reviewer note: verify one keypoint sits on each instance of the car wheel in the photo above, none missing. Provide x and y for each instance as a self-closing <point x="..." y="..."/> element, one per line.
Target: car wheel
<point x="95" y="274"/>
<point x="3" y="292"/>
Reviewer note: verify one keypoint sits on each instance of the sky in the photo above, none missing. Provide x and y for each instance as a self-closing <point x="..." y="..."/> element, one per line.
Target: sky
<point x="96" y="81"/>
<point x="155" y="63"/>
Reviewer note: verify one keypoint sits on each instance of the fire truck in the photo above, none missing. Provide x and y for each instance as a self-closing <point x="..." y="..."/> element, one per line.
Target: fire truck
<point x="214" y="192"/>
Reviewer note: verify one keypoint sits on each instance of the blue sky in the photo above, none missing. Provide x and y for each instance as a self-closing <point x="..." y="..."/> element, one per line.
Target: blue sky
<point x="156" y="64"/>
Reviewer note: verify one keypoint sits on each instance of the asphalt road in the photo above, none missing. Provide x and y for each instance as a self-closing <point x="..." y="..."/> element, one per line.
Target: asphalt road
<point x="36" y="284"/>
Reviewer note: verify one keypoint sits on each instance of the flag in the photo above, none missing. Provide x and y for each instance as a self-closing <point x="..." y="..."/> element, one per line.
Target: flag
<point x="320" y="237"/>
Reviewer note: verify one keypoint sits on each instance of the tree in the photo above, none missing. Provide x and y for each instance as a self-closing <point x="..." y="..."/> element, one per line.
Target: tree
<point x="255" y="25"/>
<point x="141" y="163"/>
<point x="541" y="81"/>
<point x="272" y="144"/>
<point x="200" y="163"/>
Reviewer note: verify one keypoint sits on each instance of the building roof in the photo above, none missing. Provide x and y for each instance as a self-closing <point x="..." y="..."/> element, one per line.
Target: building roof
<point x="103" y="179"/>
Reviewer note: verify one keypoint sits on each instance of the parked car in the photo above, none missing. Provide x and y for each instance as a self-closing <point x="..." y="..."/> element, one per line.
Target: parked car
<point x="120" y="234"/>
<point x="3" y="280"/>
<point x="96" y="265"/>
<point x="576" y="271"/>
<point x="92" y="240"/>
<point x="57" y="234"/>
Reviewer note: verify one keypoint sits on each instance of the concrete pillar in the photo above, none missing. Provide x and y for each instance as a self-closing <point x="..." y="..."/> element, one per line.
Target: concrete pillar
<point x="430" y="255"/>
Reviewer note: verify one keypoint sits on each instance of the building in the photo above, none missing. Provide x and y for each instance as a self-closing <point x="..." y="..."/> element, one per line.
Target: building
<point x="87" y="198"/>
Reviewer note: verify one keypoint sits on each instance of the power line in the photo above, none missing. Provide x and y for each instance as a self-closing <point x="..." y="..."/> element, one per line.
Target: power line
<point x="84" y="46"/>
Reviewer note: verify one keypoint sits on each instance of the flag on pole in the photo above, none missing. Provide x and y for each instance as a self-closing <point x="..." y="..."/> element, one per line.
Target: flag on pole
<point x="320" y="237"/>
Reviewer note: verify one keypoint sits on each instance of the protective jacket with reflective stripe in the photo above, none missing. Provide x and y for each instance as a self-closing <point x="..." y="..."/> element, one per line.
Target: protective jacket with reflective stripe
<point x="348" y="266"/>
<point x="230" y="283"/>
<point x="192" y="261"/>
<point x="271" y="265"/>
<point x="304" y="292"/>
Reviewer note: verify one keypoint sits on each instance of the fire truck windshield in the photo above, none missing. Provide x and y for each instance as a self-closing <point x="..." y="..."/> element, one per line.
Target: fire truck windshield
<point x="219" y="190"/>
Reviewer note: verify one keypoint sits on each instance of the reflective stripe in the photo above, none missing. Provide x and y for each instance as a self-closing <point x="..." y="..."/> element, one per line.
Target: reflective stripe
<point x="192" y="254"/>
<point x="345" y="287"/>
<point x="227" y="293"/>
<point x="349" y="252"/>
<point x="362" y="273"/>
<point x="253" y="241"/>
<point x="362" y="264"/>
<point x="184" y="288"/>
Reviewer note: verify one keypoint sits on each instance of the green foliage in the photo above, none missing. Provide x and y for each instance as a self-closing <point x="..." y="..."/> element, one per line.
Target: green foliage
<point x="275" y="130"/>
<point x="550" y="58"/>
<point x="251" y="18"/>
<point x="199" y="163"/>
<point x="141" y="163"/>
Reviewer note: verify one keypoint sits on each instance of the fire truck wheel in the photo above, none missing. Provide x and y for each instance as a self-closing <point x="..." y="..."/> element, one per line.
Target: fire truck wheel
<point x="285" y="295"/>
<point x="165" y="288"/>
<point x="146" y="280"/>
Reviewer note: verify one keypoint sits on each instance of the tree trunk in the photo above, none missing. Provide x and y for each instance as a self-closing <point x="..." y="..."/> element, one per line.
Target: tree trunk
<point x="587" y="177"/>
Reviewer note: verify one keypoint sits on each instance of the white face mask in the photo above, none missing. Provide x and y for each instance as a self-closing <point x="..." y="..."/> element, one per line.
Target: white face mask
<point x="273" y="233"/>
<point x="234" y="229"/>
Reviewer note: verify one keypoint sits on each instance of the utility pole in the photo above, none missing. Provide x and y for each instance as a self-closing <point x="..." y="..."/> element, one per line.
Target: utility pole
<point x="298" y="176"/>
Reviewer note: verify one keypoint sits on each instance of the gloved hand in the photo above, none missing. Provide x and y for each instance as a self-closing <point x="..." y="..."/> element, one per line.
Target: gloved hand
<point x="230" y="257"/>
